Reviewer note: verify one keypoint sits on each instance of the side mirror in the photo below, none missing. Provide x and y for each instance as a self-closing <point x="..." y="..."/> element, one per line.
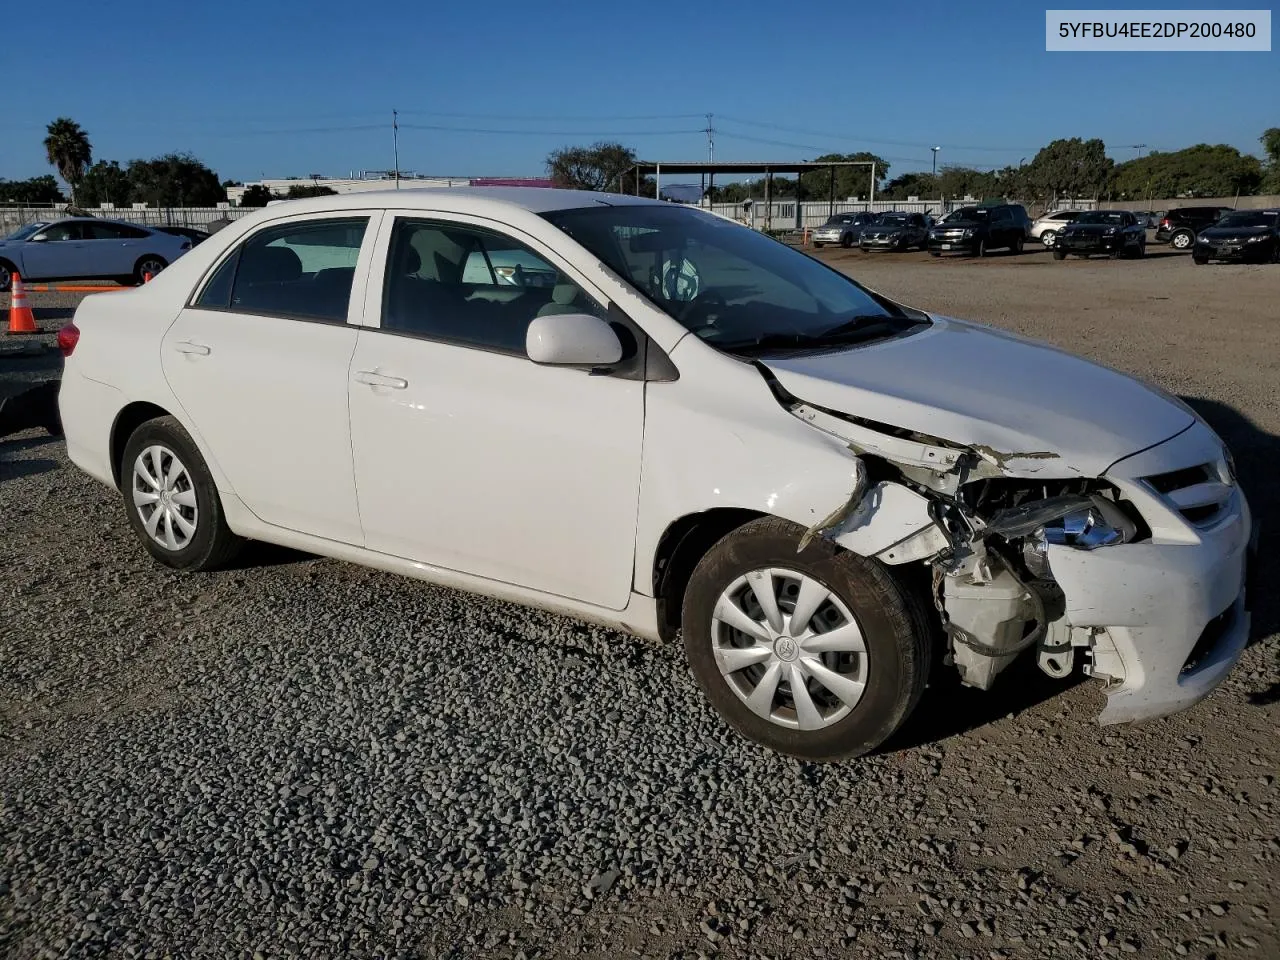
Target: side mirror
<point x="572" y="339"/>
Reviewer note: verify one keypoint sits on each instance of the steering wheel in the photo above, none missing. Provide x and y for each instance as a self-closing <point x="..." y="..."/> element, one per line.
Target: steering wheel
<point x="680" y="281"/>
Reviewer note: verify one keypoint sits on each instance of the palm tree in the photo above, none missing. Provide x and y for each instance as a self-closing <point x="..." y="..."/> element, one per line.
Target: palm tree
<point x="69" y="151"/>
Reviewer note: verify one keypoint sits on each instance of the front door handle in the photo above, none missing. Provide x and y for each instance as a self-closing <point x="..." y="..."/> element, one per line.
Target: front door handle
<point x="375" y="379"/>
<point x="195" y="349"/>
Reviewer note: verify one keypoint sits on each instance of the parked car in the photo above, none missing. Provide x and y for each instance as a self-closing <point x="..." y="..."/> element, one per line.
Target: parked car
<point x="193" y="234"/>
<point x="1116" y="233"/>
<point x="1046" y="228"/>
<point x="87" y="248"/>
<point x="843" y="228"/>
<point x="821" y="490"/>
<point x="1179" y="227"/>
<point x="976" y="230"/>
<point x="896" y="231"/>
<point x="1247" y="235"/>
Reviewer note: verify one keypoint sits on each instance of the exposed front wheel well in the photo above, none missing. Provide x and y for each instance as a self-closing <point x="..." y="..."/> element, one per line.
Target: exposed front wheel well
<point x="127" y="421"/>
<point x="681" y="546"/>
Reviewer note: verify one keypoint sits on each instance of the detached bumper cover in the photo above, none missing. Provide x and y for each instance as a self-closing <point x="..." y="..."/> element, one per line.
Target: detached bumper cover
<point x="1176" y="613"/>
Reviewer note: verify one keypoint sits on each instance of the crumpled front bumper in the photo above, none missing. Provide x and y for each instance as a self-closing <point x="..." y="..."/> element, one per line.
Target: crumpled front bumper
<point x="1171" y="615"/>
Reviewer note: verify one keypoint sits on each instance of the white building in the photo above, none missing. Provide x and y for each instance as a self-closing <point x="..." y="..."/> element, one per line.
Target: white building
<point x="357" y="183"/>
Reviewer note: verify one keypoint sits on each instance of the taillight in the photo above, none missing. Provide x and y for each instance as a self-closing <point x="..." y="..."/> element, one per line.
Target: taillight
<point x="68" y="337"/>
<point x="1164" y="222"/>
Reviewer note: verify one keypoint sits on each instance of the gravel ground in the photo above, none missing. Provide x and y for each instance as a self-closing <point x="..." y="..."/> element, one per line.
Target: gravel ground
<point x="302" y="758"/>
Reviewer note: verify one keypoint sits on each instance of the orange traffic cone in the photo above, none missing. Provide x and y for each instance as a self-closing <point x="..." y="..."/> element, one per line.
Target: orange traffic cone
<point x="146" y="277"/>
<point x="21" y="319"/>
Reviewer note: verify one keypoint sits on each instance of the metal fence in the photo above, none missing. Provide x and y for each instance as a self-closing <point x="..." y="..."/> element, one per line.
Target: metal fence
<point x="13" y="216"/>
<point x="782" y="214"/>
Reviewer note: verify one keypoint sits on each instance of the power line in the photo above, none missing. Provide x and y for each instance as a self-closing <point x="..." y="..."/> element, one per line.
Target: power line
<point x="553" y="133"/>
<point x="860" y="139"/>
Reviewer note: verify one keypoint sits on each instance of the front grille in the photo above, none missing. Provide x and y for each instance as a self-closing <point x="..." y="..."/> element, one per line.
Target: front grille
<point x="1198" y="493"/>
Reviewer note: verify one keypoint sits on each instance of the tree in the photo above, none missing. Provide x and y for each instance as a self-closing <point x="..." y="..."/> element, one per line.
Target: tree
<point x="105" y="182"/>
<point x="256" y="195"/>
<point x="299" y="191"/>
<point x="601" y="166"/>
<point x="175" y="180"/>
<point x="850" y="181"/>
<point x="1199" y="171"/>
<point x="1068" y="168"/>
<point x="232" y="183"/>
<point x="1270" y="140"/>
<point x="68" y="149"/>
<point x="36" y="190"/>
<point x="923" y="185"/>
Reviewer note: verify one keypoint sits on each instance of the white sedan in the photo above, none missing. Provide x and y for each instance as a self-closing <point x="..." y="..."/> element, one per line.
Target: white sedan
<point x="694" y="430"/>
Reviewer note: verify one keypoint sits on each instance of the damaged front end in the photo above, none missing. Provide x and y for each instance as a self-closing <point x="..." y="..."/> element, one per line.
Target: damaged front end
<point x="983" y="521"/>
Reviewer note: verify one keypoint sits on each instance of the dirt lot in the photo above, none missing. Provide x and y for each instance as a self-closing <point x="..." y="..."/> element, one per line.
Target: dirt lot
<point x="302" y="758"/>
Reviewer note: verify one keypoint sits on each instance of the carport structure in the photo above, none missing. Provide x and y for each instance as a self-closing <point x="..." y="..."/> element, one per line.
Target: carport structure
<point x="709" y="170"/>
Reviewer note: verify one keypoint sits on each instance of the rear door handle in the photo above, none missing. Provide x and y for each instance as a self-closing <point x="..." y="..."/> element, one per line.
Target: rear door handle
<point x="196" y="349"/>
<point x="374" y="379"/>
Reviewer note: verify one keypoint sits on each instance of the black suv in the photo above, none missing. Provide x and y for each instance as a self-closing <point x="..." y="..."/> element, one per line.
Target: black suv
<point x="975" y="230"/>
<point x="1241" y="235"/>
<point x="1180" y="226"/>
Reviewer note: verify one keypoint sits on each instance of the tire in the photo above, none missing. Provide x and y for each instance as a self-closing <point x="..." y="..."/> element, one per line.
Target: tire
<point x="1182" y="240"/>
<point x="1015" y="248"/>
<point x="893" y="664"/>
<point x="980" y="248"/>
<point x="817" y="245"/>
<point x="846" y="240"/>
<point x="151" y="264"/>
<point x="1275" y="251"/>
<point x="935" y="253"/>
<point x="1048" y="237"/>
<point x="1141" y="250"/>
<point x="6" y="275"/>
<point x="1059" y="254"/>
<point x="1199" y="261"/>
<point x="210" y="544"/>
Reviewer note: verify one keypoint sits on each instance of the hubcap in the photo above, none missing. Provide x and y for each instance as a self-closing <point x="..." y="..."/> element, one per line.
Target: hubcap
<point x="1047" y="238"/>
<point x="789" y="648"/>
<point x="152" y="267"/>
<point x="165" y="497"/>
<point x="1181" y="240"/>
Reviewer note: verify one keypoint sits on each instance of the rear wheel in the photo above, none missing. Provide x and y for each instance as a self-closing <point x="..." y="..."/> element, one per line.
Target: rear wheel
<point x="1182" y="240"/>
<point x="171" y="500"/>
<point x="150" y="264"/>
<point x="1015" y="248"/>
<point x="1048" y="237"/>
<point x="7" y="271"/>
<point x="819" y="653"/>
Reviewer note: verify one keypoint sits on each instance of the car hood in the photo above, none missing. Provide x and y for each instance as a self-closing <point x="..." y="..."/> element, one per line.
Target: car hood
<point x="960" y="225"/>
<point x="1034" y="409"/>
<point x="1092" y="229"/>
<point x="1224" y="233"/>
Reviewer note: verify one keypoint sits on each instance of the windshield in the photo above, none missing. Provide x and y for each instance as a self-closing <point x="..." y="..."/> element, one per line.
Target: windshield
<point x="894" y="219"/>
<point x="1247" y="220"/>
<point x="970" y="213"/>
<point x="735" y="288"/>
<point x="23" y="232"/>
<point x="1100" y="216"/>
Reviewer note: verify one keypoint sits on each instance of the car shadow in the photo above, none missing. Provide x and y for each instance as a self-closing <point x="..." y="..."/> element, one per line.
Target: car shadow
<point x="949" y="708"/>
<point x="258" y="555"/>
<point x="16" y="469"/>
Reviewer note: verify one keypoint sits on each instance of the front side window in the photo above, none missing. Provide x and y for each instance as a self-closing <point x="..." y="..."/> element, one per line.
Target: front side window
<point x="23" y="232"/>
<point x="302" y="270"/>
<point x="113" y="231"/>
<point x="63" y="231"/>
<point x="471" y="286"/>
<point x="735" y="288"/>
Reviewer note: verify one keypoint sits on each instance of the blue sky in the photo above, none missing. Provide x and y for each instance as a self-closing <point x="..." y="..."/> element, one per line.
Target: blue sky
<point x="281" y="89"/>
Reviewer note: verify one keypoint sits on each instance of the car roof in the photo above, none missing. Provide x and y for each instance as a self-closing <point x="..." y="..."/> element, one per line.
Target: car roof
<point x="467" y="200"/>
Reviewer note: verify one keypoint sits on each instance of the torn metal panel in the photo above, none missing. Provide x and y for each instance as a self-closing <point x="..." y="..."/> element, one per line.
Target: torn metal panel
<point x="891" y="519"/>
<point x="865" y="440"/>
<point x="841" y="515"/>
<point x="1003" y="461"/>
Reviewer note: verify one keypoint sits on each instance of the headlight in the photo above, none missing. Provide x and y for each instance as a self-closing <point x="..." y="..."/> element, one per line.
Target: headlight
<point x="1072" y="520"/>
<point x="1230" y="461"/>
<point x="1110" y="231"/>
<point x="967" y="234"/>
<point x="1258" y="239"/>
<point x="1101" y="525"/>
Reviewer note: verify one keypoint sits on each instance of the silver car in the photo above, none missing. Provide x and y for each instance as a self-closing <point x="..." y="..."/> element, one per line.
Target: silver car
<point x="1047" y="227"/>
<point x="81" y="248"/>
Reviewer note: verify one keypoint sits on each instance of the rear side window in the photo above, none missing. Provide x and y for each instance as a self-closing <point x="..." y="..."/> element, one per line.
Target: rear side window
<point x="113" y="231"/>
<point x="303" y="270"/>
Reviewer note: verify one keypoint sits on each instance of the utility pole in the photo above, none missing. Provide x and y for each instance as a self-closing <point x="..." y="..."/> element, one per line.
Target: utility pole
<point x="711" y="141"/>
<point x="395" y="143"/>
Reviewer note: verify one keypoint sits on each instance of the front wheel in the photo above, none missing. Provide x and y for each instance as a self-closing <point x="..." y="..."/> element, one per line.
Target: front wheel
<point x="1199" y="261"/>
<point x="819" y="654"/>
<point x="1059" y="254"/>
<point x="6" y="276"/>
<point x="846" y="240"/>
<point x="980" y="249"/>
<point x="817" y="245"/>
<point x="1015" y="247"/>
<point x="1048" y="237"/>
<point x="172" y="503"/>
